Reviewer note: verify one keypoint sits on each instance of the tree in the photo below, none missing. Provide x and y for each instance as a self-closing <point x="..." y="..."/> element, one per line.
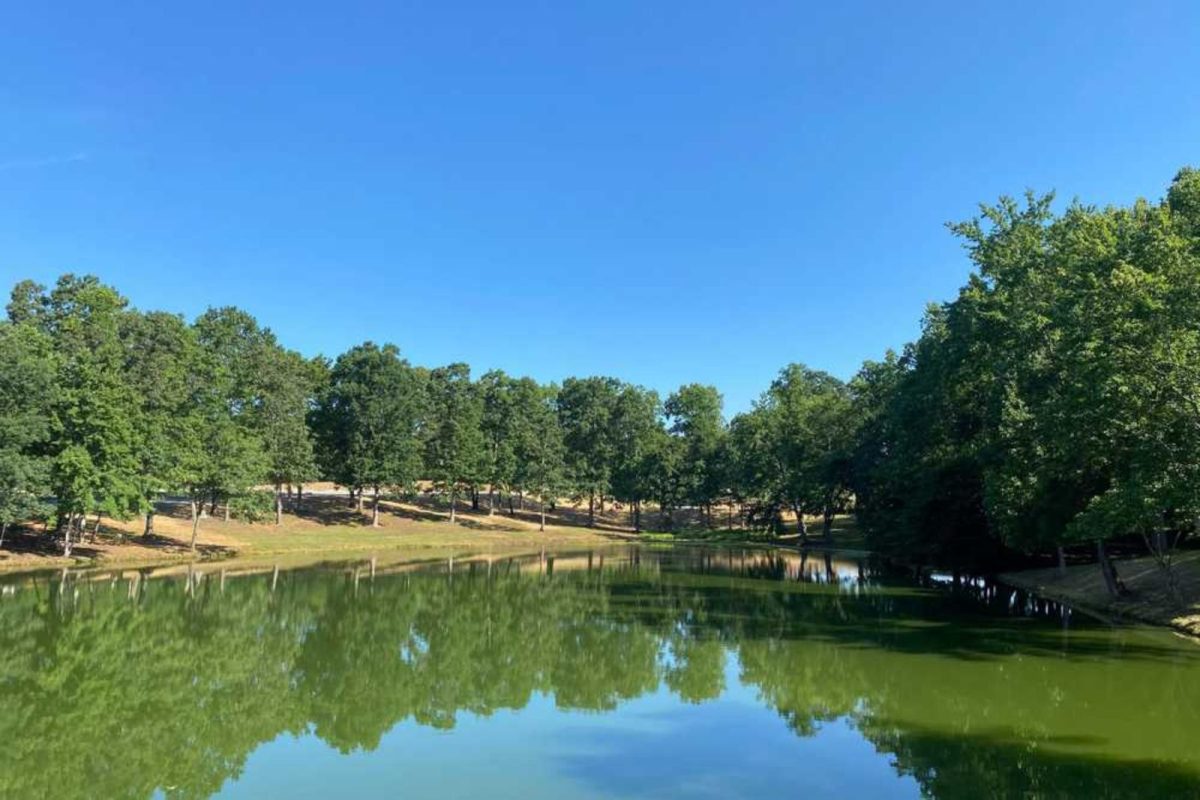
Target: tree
<point x="287" y="387"/>
<point x="585" y="412"/>
<point x="455" y="452"/>
<point x="162" y="360"/>
<point x="27" y="372"/>
<point x="694" y="413"/>
<point x="500" y="425"/>
<point x="538" y="443"/>
<point x="368" y="421"/>
<point x="636" y="440"/>
<point x="94" y="441"/>
<point x="227" y="455"/>
<point x="795" y="445"/>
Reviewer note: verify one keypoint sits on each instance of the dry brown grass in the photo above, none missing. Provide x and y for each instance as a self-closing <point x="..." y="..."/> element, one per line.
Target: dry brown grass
<point x="321" y="526"/>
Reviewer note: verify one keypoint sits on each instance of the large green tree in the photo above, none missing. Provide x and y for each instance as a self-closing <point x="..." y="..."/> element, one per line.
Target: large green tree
<point x="27" y="373"/>
<point x="585" y="412"/>
<point x="368" y="421"/>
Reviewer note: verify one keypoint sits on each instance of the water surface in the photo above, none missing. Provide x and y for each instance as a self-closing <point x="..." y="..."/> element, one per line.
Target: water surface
<point x="624" y="673"/>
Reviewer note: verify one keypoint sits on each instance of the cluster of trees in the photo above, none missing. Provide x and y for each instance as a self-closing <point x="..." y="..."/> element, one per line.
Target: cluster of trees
<point x="105" y="409"/>
<point x="1055" y="400"/>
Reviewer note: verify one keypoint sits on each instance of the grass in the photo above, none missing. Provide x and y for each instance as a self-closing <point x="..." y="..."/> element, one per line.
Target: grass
<point x="844" y="535"/>
<point x="323" y="526"/>
<point x="1149" y="599"/>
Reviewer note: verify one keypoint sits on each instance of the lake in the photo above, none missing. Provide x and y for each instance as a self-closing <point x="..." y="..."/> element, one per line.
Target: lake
<point x="630" y="672"/>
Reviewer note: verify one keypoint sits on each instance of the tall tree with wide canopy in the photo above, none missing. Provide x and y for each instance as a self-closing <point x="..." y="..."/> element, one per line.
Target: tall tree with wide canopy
<point x="368" y="421"/>
<point x="95" y="416"/>
<point x="585" y="412"/>
<point x="694" y="415"/>
<point x="162" y="362"/>
<point x="637" y="439"/>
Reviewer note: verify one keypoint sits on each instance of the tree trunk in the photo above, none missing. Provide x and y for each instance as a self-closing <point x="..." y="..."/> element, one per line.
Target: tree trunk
<point x="299" y="496"/>
<point x="1062" y="561"/>
<point x="225" y="515"/>
<point x="195" y="528"/>
<point x="827" y="524"/>
<point x="602" y="502"/>
<point x="279" y="503"/>
<point x="474" y="499"/>
<point x="491" y="500"/>
<point x="289" y="491"/>
<point x="453" y="507"/>
<point x="351" y="492"/>
<point x="96" y="527"/>
<point x="1106" y="569"/>
<point x="375" y="510"/>
<point x="637" y="516"/>
<point x="801" y="525"/>
<point x="67" y="540"/>
<point x="212" y="504"/>
<point x="512" y="512"/>
<point x="149" y="529"/>
<point x="360" y="499"/>
<point x="521" y="497"/>
<point x="542" y="527"/>
<point x="592" y="510"/>
<point x="3" y="532"/>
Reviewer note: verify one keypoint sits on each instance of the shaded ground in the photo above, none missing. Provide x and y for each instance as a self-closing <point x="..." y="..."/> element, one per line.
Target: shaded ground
<point x="325" y="522"/>
<point x="320" y="524"/>
<point x="1149" y="598"/>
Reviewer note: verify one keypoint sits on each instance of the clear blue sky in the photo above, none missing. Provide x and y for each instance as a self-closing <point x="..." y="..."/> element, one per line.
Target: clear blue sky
<point x="662" y="191"/>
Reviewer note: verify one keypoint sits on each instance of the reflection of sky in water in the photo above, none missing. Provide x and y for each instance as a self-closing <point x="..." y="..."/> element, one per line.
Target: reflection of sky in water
<point x="653" y="746"/>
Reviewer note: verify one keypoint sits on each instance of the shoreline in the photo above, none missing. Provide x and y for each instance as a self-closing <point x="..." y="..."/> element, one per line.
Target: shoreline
<point x="1149" y="602"/>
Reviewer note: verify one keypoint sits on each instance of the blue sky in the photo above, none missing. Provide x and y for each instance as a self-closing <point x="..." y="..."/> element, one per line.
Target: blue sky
<point x="667" y="192"/>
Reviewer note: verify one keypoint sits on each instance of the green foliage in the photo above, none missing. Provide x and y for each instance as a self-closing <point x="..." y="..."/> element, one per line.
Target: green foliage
<point x="254" y="506"/>
<point x="793" y="451"/>
<point x="1055" y="400"/>
<point x="367" y="419"/>
<point x="27" y="372"/>
<point x="455" y="448"/>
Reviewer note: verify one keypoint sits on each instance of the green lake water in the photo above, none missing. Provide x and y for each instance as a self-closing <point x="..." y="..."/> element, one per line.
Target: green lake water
<point x="631" y="672"/>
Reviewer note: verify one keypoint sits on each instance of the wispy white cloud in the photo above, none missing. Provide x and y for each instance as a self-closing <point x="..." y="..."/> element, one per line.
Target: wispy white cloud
<point x="47" y="161"/>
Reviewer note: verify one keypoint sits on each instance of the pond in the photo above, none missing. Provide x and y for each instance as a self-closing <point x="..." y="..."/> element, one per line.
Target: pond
<point x="630" y="672"/>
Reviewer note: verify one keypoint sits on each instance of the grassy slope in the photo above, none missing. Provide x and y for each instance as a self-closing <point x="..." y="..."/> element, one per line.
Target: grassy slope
<point x="323" y="526"/>
<point x="1149" y="599"/>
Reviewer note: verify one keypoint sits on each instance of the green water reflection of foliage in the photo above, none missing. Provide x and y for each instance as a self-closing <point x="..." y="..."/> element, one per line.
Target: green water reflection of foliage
<point x="104" y="694"/>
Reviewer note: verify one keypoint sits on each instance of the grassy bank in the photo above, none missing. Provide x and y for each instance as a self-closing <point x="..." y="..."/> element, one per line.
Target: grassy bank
<point x="320" y="527"/>
<point x="844" y="535"/>
<point x="1149" y="599"/>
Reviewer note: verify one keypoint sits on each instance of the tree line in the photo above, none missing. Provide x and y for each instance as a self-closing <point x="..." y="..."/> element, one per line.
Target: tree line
<point x="106" y="409"/>
<point x="1054" y="401"/>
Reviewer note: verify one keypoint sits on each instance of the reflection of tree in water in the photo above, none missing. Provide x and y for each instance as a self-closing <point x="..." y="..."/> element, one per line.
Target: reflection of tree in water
<point x="176" y="687"/>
